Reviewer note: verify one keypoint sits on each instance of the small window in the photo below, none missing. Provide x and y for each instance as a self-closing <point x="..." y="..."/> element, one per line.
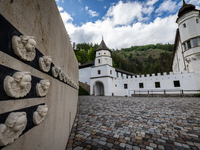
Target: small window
<point x="184" y="25"/>
<point x="104" y="53"/>
<point x="197" y="20"/>
<point x="125" y="86"/>
<point x="117" y="74"/>
<point x="176" y="83"/>
<point x="99" y="53"/>
<point x="115" y="85"/>
<point x="127" y="76"/>
<point x="157" y="84"/>
<point x="99" y="71"/>
<point x="99" y="61"/>
<point x="188" y="44"/>
<point x="141" y="85"/>
<point x="184" y="46"/>
<point x="122" y="75"/>
<point x="110" y="71"/>
<point x="195" y="42"/>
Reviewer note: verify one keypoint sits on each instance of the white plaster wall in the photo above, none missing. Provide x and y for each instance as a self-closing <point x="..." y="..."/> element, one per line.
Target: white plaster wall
<point x="104" y="56"/>
<point x="192" y="28"/>
<point x="187" y="82"/>
<point x="103" y="53"/>
<point x="84" y="75"/>
<point x="105" y="71"/>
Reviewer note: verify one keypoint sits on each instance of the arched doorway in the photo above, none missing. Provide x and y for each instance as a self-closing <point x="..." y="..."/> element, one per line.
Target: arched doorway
<point x="98" y="89"/>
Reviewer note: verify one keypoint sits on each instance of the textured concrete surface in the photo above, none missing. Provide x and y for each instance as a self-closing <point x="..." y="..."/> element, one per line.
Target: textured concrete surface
<point x="136" y="123"/>
<point x="42" y="20"/>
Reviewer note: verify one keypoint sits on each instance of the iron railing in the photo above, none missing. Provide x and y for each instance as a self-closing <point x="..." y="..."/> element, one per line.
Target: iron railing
<point x="165" y="92"/>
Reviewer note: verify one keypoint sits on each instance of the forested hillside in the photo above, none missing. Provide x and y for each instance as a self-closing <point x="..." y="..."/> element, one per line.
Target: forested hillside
<point x="144" y="59"/>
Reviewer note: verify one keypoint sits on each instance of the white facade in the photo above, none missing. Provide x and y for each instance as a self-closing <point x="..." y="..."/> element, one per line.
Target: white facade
<point x="103" y="57"/>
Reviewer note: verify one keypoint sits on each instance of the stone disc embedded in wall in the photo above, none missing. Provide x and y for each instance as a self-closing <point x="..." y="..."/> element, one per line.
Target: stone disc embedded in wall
<point x="42" y="88"/>
<point x="19" y="85"/>
<point x="12" y="128"/>
<point x="24" y="47"/>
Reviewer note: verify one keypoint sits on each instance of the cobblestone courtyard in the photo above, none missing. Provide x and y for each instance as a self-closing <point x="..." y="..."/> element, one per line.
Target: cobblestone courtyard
<point x="136" y="123"/>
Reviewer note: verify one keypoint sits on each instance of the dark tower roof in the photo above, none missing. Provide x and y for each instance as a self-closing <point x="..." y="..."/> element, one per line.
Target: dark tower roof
<point x="185" y="9"/>
<point x="102" y="46"/>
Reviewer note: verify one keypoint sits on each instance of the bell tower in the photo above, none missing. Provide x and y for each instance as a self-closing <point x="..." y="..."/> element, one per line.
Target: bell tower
<point x="103" y="55"/>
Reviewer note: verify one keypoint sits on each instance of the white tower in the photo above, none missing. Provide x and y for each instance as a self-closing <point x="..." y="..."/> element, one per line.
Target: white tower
<point x="189" y="27"/>
<point x="102" y="74"/>
<point x="103" y="55"/>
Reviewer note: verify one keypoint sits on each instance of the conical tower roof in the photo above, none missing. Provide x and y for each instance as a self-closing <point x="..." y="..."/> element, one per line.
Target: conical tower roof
<point x="102" y="46"/>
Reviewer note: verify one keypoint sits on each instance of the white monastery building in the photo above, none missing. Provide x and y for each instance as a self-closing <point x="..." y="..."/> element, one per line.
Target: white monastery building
<point x="184" y="78"/>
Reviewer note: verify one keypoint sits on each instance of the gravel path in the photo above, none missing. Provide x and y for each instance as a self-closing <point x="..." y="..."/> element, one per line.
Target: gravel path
<point x="136" y="123"/>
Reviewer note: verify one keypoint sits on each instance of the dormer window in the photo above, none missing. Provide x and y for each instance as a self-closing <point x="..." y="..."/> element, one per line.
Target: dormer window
<point x="184" y="25"/>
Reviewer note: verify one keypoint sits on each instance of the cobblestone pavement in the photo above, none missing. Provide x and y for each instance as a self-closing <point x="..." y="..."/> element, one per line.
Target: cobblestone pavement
<point x="136" y="123"/>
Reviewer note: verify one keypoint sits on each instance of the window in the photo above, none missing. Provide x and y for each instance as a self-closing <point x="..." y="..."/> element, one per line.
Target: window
<point x="99" y="61"/>
<point x="127" y="76"/>
<point x="195" y="42"/>
<point x="184" y="25"/>
<point x="197" y="21"/>
<point x="176" y="83"/>
<point x="117" y="74"/>
<point x="99" y="71"/>
<point x="188" y="44"/>
<point x="104" y="53"/>
<point x="110" y="71"/>
<point x="157" y="84"/>
<point x="141" y="85"/>
<point x="125" y="86"/>
<point x="184" y="46"/>
<point x="115" y="85"/>
<point x="122" y="75"/>
<point x="99" y="53"/>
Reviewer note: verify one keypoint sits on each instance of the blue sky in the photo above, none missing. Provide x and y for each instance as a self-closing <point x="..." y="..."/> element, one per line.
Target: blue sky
<point x="123" y="23"/>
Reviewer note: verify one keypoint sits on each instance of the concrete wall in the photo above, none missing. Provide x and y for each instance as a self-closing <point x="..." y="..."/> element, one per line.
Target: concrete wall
<point x="41" y="19"/>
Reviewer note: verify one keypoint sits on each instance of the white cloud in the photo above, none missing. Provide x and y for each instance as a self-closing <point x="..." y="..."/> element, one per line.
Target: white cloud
<point x="93" y="13"/>
<point x="167" y="5"/>
<point x="119" y="28"/>
<point x="57" y="0"/>
<point x="86" y="8"/>
<point x="60" y="8"/>
<point x="125" y="13"/>
<point x="151" y="2"/>
<point x="105" y="7"/>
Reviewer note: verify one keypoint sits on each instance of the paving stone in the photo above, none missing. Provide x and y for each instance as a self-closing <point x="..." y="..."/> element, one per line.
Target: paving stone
<point x="136" y="148"/>
<point x="142" y="122"/>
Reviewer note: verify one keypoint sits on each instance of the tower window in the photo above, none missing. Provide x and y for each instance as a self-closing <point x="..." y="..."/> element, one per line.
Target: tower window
<point x="195" y="42"/>
<point x="99" y="71"/>
<point x="184" y="46"/>
<point x="99" y="61"/>
<point x="184" y="25"/>
<point x="157" y="84"/>
<point x="197" y="20"/>
<point x="110" y="71"/>
<point x="125" y="86"/>
<point x="104" y="53"/>
<point x="99" y="53"/>
<point x="188" y="44"/>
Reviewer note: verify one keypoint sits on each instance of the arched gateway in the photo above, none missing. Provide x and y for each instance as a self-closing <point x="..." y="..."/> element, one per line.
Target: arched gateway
<point x="98" y="88"/>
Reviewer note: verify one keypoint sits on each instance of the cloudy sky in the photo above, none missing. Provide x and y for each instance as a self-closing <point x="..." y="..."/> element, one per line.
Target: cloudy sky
<point x="123" y="23"/>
